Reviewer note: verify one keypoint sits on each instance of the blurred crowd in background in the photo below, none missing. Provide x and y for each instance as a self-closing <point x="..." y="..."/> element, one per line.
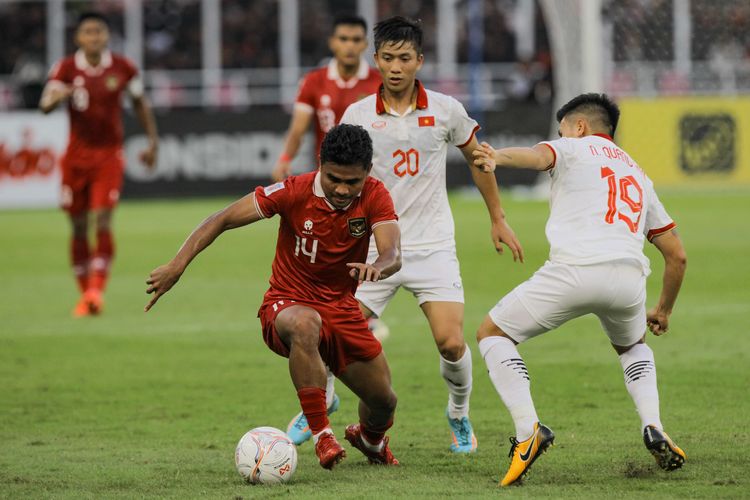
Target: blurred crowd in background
<point x="641" y="32"/>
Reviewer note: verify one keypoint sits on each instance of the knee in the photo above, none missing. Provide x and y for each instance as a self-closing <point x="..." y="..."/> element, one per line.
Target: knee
<point x="80" y="226"/>
<point x="386" y="403"/>
<point x="103" y="221"/>
<point x="488" y="328"/>
<point x="452" y="347"/>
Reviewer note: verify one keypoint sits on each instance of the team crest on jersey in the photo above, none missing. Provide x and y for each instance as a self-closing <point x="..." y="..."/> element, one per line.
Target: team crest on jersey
<point x="268" y="190"/>
<point x="112" y="82"/>
<point x="358" y="227"/>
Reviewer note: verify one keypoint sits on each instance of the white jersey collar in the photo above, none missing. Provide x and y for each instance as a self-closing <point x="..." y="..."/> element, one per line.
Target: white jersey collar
<point x="83" y="64"/>
<point x="318" y="191"/>
<point x="333" y="74"/>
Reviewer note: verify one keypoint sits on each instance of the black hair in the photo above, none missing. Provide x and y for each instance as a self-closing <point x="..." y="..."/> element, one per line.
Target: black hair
<point x="85" y="16"/>
<point x="399" y="30"/>
<point x="347" y="144"/>
<point x="349" y="20"/>
<point x="600" y="108"/>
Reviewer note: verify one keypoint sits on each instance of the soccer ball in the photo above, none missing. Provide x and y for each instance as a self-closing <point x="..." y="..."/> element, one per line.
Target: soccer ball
<point x="265" y="455"/>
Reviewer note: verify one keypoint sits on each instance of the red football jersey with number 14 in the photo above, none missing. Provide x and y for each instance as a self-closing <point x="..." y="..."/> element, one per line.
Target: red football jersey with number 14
<point x="316" y="241"/>
<point x="95" y="107"/>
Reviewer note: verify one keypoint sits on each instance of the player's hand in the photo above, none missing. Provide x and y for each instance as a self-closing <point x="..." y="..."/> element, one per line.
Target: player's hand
<point x="281" y="171"/>
<point x="149" y="156"/>
<point x="502" y="233"/>
<point x="160" y="281"/>
<point x="484" y="158"/>
<point x="658" y="321"/>
<point x="363" y="272"/>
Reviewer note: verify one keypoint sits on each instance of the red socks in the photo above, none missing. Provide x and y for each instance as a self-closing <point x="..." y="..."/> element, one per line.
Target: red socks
<point x="79" y="256"/>
<point x="313" y="402"/>
<point x="375" y="436"/>
<point x="105" y="250"/>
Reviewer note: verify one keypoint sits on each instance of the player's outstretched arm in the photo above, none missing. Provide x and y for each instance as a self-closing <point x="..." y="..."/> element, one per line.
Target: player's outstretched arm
<point x="301" y="119"/>
<point x="484" y="178"/>
<point x="146" y="118"/>
<point x="675" y="263"/>
<point x="538" y="157"/>
<point x="54" y="93"/>
<point x="388" y="241"/>
<point x="240" y="213"/>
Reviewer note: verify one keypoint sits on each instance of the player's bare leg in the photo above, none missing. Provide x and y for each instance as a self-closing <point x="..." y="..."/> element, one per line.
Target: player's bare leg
<point x="371" y="382"/>
<point x="511" y="380"/>
<point x="80" y="253"/>
<point x="639" y="369"/>
<point x="299" y="329"/>
<point x="446" y="323"/>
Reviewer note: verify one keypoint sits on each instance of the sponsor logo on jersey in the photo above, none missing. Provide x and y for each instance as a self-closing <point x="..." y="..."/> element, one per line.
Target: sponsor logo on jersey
<point x="112" y="82"/>
<point x="273" y="188"/>
<point x="426" y="121"/>
<point x="378" y="124"/>
<point x="308" y="225"/>
<point x="358" y="227"/>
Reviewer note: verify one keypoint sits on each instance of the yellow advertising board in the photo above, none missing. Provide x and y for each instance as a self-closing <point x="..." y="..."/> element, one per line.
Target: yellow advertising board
<point x="696" y="141"/>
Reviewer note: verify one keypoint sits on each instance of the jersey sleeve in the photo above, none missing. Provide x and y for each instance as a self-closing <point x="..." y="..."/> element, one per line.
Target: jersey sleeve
<point x="306" y="96"/>
<point x="274" y="199"/>
<point x="562" y="149"/>
<point x="134" y="86"/>
<point x="461" y="127"/>
<point x="658" y="220"/>
<point x="381" y="208"/>
<point x="60" y="72"/>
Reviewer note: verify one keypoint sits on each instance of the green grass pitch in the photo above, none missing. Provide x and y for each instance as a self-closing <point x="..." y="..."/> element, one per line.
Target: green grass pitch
<point x="133" y="405"/>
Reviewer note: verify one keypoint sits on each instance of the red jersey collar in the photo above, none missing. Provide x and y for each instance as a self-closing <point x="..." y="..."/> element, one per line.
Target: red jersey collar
<point x="421" y="98"/>
<point x="608" y="137"/>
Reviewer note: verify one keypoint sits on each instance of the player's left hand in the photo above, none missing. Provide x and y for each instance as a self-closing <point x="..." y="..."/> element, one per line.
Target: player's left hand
<point x="149" y="156"/>
<point x="658" y="321"/>
<point x="502" y="233"/>
<point x="484" y="158"/>
<point x="363" y="272"/>
<point x="160" y="281"/>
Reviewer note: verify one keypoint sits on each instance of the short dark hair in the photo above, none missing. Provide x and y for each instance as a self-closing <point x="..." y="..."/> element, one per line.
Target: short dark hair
<point x="347" y="144"/>
<point x="90" y="15"/>
<point x="399" y="30"/>
<point x="600" y="108"/>
<point x="349" y="20"/>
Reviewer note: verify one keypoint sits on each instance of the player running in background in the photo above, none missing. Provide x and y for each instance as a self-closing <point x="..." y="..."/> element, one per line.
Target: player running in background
<point x="411" y="129"/>
<point x="326" y="92"/>
<point x="602" y="209"/>
<point x="309" y="314"/>
<point x="92" y="81"/>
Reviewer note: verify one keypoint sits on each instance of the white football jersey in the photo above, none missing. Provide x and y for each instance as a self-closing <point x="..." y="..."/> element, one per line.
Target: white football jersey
<point x="409" y="153"/>
<point x="602" y="205"/>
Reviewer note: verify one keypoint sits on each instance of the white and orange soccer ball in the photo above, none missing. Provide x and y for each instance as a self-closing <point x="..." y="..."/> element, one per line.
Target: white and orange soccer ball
<point x="265" y="455"/>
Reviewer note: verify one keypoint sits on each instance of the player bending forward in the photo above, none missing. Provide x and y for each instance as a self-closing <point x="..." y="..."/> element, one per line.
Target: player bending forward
<point x="309" y="314"/>
<point x="602" y="207"/>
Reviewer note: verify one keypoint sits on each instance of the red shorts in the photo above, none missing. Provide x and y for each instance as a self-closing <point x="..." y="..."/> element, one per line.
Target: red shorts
<point x="344" y="336"/>
<point x="92" y="182"/>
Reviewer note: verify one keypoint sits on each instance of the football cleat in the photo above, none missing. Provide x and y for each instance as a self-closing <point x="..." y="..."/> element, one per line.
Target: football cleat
<point x="299" y="431"/>
<point x="523" y="454"/>
<point x="94" y="300"/>
<point x="81" y="309"/>
<point x="383" y="457"/>
<point x="668" y="455"/>
<point x="329" y="451"/>
<point x="462" y="434"/>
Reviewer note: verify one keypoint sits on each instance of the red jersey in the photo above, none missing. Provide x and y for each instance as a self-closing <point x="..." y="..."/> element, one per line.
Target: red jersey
<point x="95" y="107"/>
<point x="316" y="241"/>
<point x="326" y="94"/>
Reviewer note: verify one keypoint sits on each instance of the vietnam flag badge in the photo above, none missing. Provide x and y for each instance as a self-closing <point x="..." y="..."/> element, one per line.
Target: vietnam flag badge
<point x="426" y="121"/>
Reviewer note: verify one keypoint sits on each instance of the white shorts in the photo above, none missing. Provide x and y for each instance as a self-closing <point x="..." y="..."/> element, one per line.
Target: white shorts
<point x="431" y="276"/>
<point x="614" y="291"/>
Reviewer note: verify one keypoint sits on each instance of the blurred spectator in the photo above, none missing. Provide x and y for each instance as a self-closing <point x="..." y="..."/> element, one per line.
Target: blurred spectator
<point x="172" y="38"/>
<point x="250" y="33"/>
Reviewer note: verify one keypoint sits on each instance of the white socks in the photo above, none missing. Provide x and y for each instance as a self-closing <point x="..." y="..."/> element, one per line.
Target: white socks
<point x="457" y="376"/>
<point x="640" y="380"/>
<point x="511" y="380"/>
<point x="329" y="387"/>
